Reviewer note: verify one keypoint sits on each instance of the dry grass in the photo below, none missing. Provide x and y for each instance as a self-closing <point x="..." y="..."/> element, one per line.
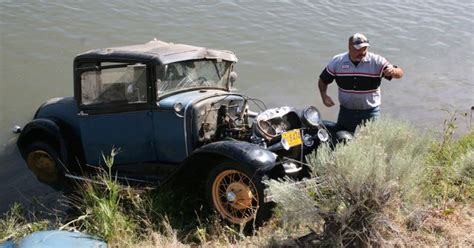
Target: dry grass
<point x="441" y="228"/>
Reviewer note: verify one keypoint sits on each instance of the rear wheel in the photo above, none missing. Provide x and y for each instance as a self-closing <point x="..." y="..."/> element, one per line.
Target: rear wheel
<point x="235" y="191"/>
<point x="43" y="160"/>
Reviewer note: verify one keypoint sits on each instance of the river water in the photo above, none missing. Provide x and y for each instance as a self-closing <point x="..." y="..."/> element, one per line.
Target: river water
<point x="282" y="47"/>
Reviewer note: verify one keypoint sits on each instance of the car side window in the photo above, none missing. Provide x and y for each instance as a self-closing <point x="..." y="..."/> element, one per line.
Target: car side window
<point x="114" y="83"/>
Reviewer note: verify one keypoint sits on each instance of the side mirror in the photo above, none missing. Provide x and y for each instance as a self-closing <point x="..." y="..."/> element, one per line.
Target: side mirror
<point x="232" y="78"/>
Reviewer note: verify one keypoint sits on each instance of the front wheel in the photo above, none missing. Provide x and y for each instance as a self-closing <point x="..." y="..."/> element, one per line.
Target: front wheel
<point x="235" y="191"/>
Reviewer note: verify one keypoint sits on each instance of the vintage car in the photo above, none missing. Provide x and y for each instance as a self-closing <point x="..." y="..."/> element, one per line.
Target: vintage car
<point x="169" y="107"/>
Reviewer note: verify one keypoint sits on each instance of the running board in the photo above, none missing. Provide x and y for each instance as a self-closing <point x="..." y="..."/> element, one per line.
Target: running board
<point x="156" y="181"/>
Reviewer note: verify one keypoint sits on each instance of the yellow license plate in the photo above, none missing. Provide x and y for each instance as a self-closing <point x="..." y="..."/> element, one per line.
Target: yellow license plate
<point x="293" y="137"/>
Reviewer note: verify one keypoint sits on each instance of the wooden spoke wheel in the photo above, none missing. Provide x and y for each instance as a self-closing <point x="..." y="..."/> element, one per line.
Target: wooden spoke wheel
<point x="235" y="192"/>
<point x="235" y="196"/>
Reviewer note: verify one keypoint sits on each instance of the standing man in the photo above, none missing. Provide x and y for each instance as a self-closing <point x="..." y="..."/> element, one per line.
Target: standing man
<point x="358" y="75"/>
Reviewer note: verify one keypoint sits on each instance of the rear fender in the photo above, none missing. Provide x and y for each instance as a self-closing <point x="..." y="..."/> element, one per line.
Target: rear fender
<point x="46" y="129"/>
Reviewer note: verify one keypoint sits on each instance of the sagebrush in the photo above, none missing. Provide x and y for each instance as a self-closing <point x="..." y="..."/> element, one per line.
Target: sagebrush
<point x="361" y="190"/>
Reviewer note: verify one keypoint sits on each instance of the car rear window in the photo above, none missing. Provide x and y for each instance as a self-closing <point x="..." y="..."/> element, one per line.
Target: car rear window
<point x="114" y="83"/>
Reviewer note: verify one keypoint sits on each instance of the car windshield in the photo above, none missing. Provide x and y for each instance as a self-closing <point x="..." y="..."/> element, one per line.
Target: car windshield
<point x="193" y="74"/>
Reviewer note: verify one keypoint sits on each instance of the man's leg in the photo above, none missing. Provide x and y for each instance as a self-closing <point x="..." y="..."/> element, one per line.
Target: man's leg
<point x="370" y="114"/>
<point x="347" y="119"/>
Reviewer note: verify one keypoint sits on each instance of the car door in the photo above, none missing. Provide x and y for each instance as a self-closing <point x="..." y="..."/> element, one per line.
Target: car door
<point x="115" y="112"/>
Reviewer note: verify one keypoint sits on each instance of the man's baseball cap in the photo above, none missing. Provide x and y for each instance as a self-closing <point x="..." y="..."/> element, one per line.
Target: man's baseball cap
<point x="359" y="41"/>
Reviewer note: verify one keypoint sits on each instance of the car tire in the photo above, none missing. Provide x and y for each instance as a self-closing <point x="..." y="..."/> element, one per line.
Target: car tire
<point x="43" y="160"/>
<point x="236" y="192"/>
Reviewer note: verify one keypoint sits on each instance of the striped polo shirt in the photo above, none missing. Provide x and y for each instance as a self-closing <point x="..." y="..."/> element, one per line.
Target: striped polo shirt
<point x="359" y="86"/>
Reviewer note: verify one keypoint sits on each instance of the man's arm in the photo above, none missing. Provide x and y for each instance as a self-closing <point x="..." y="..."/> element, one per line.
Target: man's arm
<point x="327" y="100"/>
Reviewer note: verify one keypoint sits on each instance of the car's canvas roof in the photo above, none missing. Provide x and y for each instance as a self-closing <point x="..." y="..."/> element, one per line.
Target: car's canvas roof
<point x="163" y="51"/>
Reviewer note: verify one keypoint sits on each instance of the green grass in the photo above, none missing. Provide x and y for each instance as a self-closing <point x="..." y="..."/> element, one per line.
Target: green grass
<point x="450" y="168"/>
<point x="108" y="209"/>
<point x="124" y="216"/>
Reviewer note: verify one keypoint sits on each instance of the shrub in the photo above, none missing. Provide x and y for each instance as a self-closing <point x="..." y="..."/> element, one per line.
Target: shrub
<point x="448" y="174"/>
<point x="464" y="175"/>
<point x="362" y="189"/>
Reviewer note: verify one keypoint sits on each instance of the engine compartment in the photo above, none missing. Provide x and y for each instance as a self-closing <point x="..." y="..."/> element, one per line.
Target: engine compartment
<point x="220" y="117"/>
<point x="228" y="117"/>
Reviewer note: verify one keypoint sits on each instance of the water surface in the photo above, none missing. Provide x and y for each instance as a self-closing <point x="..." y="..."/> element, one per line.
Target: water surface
<point x="282" y="47"/>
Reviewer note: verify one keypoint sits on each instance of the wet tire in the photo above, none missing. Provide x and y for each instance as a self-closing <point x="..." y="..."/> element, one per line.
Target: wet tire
<point x="235" y="192"/>
<point x="43" y="160"/>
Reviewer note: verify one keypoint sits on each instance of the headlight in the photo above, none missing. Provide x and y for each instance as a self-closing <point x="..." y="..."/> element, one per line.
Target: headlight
<point x="311" y="116"/>
<point x="178" y="107"/>
<point x="308" y="140"/>
<point x="323" y="135"/>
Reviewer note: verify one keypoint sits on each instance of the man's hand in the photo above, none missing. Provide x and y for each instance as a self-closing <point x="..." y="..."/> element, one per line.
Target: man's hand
<point x="327" y="100"/>
<point x="392" y="71"/>
<point x="388" y="72"/>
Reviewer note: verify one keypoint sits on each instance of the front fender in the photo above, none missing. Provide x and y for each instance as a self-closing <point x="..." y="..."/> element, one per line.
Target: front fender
<point x="40" y="128"/>
<point x="258" y="158"/>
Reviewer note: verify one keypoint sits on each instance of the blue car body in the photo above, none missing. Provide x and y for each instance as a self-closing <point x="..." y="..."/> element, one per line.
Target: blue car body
<point x="56" y="239"/>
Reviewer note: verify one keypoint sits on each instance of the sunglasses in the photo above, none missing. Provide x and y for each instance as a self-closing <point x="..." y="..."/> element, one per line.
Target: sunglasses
<point x="359" y="41"/>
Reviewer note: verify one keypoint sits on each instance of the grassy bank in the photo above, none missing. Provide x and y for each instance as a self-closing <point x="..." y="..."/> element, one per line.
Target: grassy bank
<point x="390" y="186"/>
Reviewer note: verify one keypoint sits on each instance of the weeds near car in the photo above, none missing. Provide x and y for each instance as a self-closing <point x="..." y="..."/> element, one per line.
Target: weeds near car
<point x="106" y="208"/>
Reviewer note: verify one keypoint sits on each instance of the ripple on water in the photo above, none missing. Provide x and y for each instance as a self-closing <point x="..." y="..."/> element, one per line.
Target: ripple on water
<point x="293" y="38"/>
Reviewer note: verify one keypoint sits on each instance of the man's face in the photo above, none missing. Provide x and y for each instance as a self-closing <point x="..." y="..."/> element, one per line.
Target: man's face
<point x="357" y="54"/>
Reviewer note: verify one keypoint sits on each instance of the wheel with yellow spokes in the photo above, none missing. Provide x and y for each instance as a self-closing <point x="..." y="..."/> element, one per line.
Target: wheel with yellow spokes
<point x="235" y="192"/>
